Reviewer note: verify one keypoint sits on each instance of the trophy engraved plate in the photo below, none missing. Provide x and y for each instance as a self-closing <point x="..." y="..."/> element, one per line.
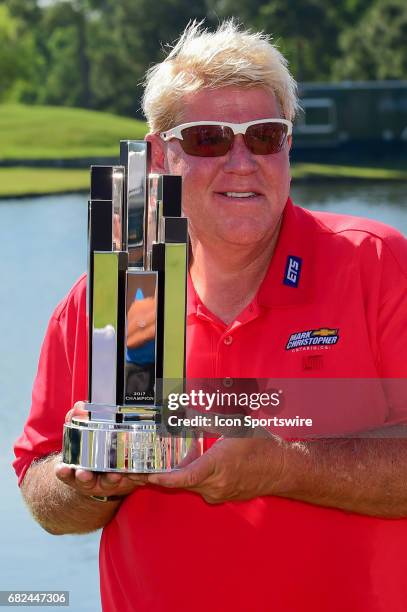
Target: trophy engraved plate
<point x="136" y="299"/>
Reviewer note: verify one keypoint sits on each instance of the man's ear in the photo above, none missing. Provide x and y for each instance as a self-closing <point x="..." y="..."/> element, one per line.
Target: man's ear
<point x="157" y="153"/>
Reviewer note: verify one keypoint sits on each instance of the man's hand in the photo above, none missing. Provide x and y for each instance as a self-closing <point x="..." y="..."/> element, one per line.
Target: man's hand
<point x="232" y="469"/>
<point x="70" y="509"/>
<point x="367" y="476"/>
<point x="92" y="483"/>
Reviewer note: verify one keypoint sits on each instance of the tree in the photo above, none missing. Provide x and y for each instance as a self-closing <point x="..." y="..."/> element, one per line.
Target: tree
<point x="65" y="30"/>
<point x="126" y="39"/>
<point x="16" y="55"/>
<point x="308" y="35"/>
<point x="26" y="11"/>
<point x="305" y="32"/>
<point x="375" y="48"/>
<point x="94" y="53"/>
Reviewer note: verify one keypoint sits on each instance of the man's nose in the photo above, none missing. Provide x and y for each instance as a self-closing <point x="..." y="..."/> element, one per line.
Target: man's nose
<point x="240" y="160"/>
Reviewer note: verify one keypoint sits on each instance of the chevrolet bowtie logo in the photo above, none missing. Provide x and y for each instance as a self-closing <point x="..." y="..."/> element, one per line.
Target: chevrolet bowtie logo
<point x="324" y="331"/>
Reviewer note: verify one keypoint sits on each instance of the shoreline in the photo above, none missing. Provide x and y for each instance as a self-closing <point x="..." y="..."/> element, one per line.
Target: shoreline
<point x="297" y="181"/>
<point x="30" y="196"/>
<point x="22" y="182"/>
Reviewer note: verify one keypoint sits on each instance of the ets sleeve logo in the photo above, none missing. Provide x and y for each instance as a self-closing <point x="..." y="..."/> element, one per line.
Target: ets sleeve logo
<point x="292" y="271"/>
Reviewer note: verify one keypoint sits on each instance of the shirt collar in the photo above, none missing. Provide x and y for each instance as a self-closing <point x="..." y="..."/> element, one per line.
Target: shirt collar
<point x="295" y="240"/>
<point x="193" y="300"/>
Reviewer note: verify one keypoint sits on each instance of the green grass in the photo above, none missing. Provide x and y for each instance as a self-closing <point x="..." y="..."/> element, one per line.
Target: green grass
<point x="30" y="181"/>
<point x="50" y="132"/>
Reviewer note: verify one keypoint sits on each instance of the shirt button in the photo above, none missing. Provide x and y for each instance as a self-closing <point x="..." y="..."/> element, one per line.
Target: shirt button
<point x="227" y="382"/>
<point x="228" y="340"/>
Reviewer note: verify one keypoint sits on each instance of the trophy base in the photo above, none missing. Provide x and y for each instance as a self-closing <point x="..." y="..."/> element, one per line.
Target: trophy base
<point x="135" y="447"/>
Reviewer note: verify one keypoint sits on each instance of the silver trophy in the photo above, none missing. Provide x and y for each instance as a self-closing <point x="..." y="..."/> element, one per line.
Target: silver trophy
<point x="137" y="270"/>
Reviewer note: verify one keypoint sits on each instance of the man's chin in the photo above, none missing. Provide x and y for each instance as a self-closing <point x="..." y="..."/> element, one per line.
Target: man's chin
<point x="244" y="237"/>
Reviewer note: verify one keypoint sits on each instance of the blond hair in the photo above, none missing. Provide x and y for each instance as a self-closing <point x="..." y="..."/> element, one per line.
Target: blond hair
<point x="200" y="59"/>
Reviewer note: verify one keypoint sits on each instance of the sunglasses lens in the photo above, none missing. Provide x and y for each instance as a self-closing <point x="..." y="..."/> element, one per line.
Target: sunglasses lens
<point x="266" y="138"/>
<point x="206" y="140"/>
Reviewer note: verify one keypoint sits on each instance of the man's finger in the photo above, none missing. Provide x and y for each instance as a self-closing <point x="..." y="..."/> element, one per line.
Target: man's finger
<point x="138" y="479"/>
<point x="77" y="410"/>
<point x="85" y="479"/>
<point x="64" y="473"/>
<point x="110" y="479"/>
<point x="188" y="477"/>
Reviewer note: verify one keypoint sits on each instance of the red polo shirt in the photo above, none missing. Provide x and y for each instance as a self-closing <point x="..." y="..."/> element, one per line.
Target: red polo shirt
<point x="332" y="305"/>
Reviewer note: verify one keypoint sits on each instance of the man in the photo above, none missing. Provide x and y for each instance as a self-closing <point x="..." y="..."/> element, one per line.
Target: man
<point x="252" y="524"/>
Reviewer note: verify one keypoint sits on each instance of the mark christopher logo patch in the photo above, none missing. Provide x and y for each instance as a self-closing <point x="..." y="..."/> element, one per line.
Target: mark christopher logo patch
<point x="313" y="337"/>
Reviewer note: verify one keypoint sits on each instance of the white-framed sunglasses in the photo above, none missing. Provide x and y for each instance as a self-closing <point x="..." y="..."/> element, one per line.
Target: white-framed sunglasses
<point x="215" y="138"/>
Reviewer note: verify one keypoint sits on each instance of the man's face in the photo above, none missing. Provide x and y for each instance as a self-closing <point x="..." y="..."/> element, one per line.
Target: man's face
<point x="213" y="215"/>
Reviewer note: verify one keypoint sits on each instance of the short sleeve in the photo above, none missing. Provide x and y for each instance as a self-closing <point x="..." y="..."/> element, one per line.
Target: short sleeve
<point x="60" y="381"/>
